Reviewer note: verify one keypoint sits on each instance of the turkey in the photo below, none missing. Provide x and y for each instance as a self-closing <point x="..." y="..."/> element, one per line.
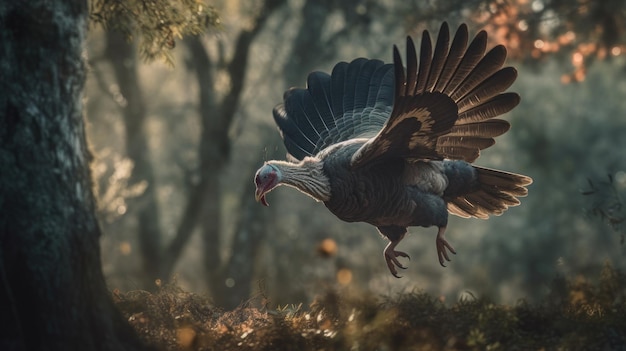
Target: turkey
<point x="393" y="147"/>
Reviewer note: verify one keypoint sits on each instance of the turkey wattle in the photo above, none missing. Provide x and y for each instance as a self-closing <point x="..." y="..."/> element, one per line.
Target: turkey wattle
<point x="394" y="147"/>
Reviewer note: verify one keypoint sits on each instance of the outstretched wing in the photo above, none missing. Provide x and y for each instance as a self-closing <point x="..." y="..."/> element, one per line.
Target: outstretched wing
<point x="445" y="107"/>
<point x="353" y="102"/>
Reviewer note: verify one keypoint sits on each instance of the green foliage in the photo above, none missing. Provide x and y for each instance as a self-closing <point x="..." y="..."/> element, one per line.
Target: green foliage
<point x="577" y="314"/>
<point x="157" y="23"/>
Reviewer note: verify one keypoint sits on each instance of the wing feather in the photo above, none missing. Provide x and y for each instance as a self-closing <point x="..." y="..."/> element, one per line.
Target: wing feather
<point x="439" y="57"/>
<point x="459" y="152"/>
<point x="463" y="141"/>
<point x="337" y="85"/>
<point x="353" y="83"/>
<point x="457" y="49"/>
<point x="454" y="86"/>
<point x="318" y="84"/>
<point x="487" y="66"/>
<point x="300" y="126"/>
<point x="490" y="87"/>
<point x="296" y="141"/>
<point x="353" y="102"/>
<point x="491" y="128"/>
<point x="411" y="66"/>
<point x="426" y="49"/>
<point x="441" y="106"/>
<point x="496" y="106"/>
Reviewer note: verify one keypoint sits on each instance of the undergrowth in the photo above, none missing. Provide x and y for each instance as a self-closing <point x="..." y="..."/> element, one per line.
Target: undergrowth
<point x="578" y="314"/>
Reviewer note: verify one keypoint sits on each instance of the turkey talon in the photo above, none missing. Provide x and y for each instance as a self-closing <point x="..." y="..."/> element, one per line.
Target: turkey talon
<point x="391" y="259"/>
<point x="442" y="245"/>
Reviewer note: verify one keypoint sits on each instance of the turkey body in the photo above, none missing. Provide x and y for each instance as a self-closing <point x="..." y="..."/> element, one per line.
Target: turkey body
<point x="395" y="147"/>
<point x="394" y="194"/>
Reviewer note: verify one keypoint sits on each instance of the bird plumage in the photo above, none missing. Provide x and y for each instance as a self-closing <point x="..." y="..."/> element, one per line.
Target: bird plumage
<point x="393" y="147"/>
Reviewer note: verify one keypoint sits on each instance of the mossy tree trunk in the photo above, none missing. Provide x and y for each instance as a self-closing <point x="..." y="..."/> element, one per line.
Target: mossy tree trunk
<point x="52" y="290"/>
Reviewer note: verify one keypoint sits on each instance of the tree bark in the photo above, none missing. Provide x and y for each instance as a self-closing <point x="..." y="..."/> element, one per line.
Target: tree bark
<point x="52" y="290"/>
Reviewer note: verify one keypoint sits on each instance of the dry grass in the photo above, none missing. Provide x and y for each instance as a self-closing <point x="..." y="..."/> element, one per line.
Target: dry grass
<point x="577" y="315"/>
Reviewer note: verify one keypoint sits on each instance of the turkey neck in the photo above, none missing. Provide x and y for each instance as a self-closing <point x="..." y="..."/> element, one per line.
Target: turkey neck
<point x="307" y="176"/>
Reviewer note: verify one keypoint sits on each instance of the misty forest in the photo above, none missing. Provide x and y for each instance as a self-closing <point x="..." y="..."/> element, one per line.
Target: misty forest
<point x="131" y="131"/>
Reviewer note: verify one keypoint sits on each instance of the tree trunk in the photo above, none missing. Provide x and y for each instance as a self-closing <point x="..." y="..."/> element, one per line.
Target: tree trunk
<point x="215" y="153"/>
<point x="122" y="55"/>
<point x="205" y="200"/>
<point x="52" y="290"/>
<point x="250" y="231"/>
<point x="308" y="48"/>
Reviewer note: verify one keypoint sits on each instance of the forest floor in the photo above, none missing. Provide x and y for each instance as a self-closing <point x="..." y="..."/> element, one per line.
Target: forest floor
<point x="576" y="315"/>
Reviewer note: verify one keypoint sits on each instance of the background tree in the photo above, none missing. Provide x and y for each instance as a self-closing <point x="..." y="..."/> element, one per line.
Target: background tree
<point x="122" y="55"/>
<point x="205" y="199"/>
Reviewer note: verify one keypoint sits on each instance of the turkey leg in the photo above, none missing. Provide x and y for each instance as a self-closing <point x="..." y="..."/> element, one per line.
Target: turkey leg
<point x="442" y="245"/>
<point x="391" y="255"/>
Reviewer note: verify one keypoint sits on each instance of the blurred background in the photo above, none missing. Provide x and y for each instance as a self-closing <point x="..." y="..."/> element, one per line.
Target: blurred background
<point x="176" y="146"/>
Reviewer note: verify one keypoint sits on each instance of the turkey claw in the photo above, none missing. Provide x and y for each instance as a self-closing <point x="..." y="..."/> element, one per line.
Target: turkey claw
<point x="392" y="261"/>
<point x="442" y="245"/>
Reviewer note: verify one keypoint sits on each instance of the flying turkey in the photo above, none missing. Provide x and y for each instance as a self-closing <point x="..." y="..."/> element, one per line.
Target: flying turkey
<point x="393" y="147"/>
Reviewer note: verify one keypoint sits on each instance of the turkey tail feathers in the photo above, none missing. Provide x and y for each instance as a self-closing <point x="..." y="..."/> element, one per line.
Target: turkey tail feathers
<point x="439" y="57"/>
<point x="455" y="55"/>
<point x="496" y="192"/>
<point x="476" y="82"/>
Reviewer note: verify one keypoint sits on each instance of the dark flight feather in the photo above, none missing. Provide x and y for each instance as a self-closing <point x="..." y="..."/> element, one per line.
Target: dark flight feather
<point x="496" y="106"/>
<point x="411" y="66"/>
<point x="491" y="128"/>
<point x="474" y="53"/>
<point x="439" y="57"/>
<point x="426" y="49"/>
<point x="353" y="102"/>
<point x="318" y="84"/>
<point x="398" y="72"/>
<point x="490" y="87"/>
<point x="457" y="49"/>
<point x="352" y="84"/>
<point x="487" y="66"/>
<point x="337" y="85"/>
<point x="464" y="141"/>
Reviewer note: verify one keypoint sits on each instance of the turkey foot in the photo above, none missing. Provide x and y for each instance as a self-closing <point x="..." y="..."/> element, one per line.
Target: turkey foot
<point x="442" y="245"/>
<point x="391" y="255"/>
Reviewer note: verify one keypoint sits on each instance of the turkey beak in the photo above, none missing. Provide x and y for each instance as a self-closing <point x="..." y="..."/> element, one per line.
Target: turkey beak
<point x="260" y="196"/>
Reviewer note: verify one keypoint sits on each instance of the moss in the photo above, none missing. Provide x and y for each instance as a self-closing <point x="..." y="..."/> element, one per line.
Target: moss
<point x="577" y="314"/>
